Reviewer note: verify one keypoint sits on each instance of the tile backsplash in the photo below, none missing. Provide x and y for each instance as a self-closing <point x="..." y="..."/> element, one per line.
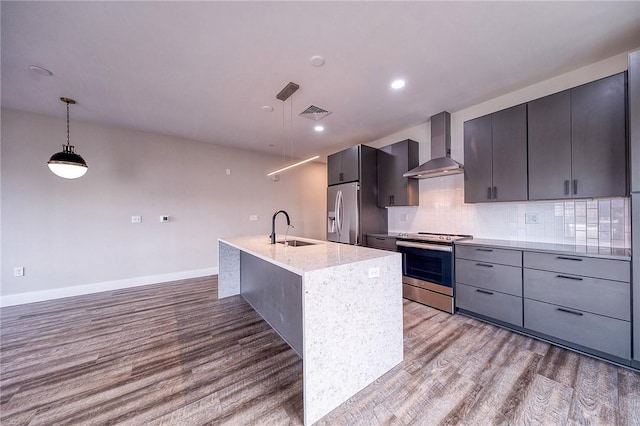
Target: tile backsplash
<point x="604" y="222"/>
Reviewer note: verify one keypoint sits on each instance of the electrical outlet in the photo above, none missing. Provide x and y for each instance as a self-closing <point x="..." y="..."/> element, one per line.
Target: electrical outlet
<point x="136" y="219"/>
<point x="532" y="218"/>
<point x="403" y="217"/>
<point x="18" y="271"/>
<point x="374" y="272"/>
<point x="164" y="218"/>
<point x="253" y="217"/>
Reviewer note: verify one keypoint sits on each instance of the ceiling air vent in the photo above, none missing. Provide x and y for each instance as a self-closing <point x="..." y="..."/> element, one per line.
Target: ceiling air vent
<point x="314" y="113"/>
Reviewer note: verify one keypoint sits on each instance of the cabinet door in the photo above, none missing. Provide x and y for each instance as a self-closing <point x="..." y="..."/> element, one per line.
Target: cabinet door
<point x="344" y="166"/>
<point x="549" y="147"/>
<point x="350" y="164"/>
<point x="509" y="129"/>
<point x="598" y="128"/>
<point x="478" y="161"/>
<point x="334" y="168"/>
<point x="393" y="161"/>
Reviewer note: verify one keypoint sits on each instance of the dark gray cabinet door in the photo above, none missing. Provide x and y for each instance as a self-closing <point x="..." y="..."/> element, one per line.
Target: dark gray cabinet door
<point x="344" y="166"/>
<point x="549" y="146"/>
<point x="509" y="128"/>
<point x="598" y="128"/>
<point x="478" y="162"/>
<point x="393" y="161"/>
<point x="634" y="120"/>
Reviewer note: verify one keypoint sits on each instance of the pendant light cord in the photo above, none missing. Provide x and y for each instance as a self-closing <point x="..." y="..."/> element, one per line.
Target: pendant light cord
<point x="68" y="139"/>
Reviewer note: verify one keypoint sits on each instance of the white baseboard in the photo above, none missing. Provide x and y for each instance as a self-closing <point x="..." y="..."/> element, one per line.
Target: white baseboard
<point x="58" y="293"/>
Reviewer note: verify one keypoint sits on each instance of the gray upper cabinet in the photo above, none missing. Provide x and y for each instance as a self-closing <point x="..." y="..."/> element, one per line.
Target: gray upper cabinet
<point x="550" y="147"/>
<point x="495" y="156"/>
<point x="393" y="161"/>
<point x="478" y="173"/>
<point x="343" y="166"/>
<point x="577" y="142"/>
<point x="598" y="138"/>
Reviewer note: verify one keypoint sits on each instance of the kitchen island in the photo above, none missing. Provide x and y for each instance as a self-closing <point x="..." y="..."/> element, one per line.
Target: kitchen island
<point x="338" y="306"/>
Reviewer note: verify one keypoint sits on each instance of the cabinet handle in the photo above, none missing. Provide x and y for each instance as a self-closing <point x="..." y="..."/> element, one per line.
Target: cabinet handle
<point x="566" y="187"/>
<point x="341" y="176"/>
<point x="495" y="192"/>
<point x="575" y="186"/>
<point x="484" y="265"/>
<point x="486" y="250"/>
<point x="567" y="277"/>
<point x="380" y="239"/>
<point x="484" y="291"/>
<point x="569" y="258"/>
<point x="570" y="312"/>
<point x="488" y="193"/>
<point x="391" y="200"/>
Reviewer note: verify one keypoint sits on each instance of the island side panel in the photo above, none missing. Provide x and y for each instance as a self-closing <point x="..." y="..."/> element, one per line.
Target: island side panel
<point x="352" y="331"/>
<point x="276" y="294"/>
<point x="228" y="270"/>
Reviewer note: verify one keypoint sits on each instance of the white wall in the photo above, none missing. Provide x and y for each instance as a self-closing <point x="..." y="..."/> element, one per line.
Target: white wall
<point x="442" y="209"/>
<point x="75" y="236"/>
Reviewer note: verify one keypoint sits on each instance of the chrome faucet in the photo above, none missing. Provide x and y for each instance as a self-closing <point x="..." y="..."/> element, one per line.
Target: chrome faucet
<point x="273" y="224"/>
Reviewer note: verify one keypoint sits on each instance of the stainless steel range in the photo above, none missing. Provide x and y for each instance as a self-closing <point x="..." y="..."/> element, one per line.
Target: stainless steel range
<point x="427" y="268"/>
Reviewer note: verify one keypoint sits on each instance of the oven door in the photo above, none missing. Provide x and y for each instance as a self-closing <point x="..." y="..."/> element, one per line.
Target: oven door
<point x="427" y="262"/>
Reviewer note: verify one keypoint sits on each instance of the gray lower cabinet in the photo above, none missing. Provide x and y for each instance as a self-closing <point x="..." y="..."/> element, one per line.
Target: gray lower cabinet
<point x="604" y="334"/>
<point x="489" y="282"/>
<point x="579" y="300"/>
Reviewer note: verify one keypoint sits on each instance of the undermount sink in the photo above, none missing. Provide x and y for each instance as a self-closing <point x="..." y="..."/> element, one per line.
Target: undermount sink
<point x="296" y="243"/>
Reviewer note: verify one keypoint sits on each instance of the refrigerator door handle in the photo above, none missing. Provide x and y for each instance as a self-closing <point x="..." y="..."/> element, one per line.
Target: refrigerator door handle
<point x="357" y="224"/>
<point x="337" y="209"/>
<point x="340" y="212"/>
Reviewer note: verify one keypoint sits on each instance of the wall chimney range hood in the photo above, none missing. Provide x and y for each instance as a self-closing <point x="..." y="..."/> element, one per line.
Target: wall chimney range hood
<point x="441" y="163"/>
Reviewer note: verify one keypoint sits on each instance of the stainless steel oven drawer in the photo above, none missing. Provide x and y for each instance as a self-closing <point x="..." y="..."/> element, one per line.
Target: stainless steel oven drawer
<point x="604" y="334"/>
<point x="426" y="297"/>
<point x="608" y="269"/>
<point x="493" y="304"/>
<point x="505" y="279"/>
<point x="382" y="242"/>
<point x="598" y="296"/>
<point x="489" y="254"/>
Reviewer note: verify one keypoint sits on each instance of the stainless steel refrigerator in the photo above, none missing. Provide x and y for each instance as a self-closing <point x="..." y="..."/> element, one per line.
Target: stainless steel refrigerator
<point x="352" y="196"/>
<point x="343" y="225"/>
<point x="634" y="152"/>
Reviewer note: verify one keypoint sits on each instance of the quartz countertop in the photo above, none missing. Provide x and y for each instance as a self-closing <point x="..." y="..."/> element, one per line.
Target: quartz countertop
<point x="323" y="254"/>
<point x="568" y="249"/>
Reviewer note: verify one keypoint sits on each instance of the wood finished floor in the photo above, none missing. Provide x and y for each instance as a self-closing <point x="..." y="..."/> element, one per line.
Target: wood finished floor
<point x="172" y="354"/>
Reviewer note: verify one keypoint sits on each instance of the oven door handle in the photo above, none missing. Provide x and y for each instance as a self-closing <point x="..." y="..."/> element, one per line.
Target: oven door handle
<point x="424" y="246"/>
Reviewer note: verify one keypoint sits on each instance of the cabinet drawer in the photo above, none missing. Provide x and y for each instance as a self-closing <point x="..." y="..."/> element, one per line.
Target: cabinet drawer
<point x="384" y="243"/>
<point x="598" y="296"/>
<point x="500" y="306"/>
<point x="489" y="254"/>
<point x="490" y="276"/>
<point x="618" y="270"/>
<point x="603" y="334"/>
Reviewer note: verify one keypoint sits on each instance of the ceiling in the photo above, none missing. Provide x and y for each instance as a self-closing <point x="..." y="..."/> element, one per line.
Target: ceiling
<point x="204" y="70"/>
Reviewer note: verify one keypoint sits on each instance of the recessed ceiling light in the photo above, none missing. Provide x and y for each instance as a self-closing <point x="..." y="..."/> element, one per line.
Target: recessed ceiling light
<point x="267" y="108"/>
<point x="317" y="61"/>
<point x="319" y="128"/>
<point x="39" y="70"/>
<point x="397" y="84"/>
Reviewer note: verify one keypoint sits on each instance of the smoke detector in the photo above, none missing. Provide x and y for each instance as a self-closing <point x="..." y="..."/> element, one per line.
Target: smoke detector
<point x="314" y="113"/>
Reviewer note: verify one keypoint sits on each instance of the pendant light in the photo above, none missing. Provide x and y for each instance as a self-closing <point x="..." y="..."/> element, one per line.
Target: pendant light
<point x="284" y="94"/>
<point x="67" y="164"/>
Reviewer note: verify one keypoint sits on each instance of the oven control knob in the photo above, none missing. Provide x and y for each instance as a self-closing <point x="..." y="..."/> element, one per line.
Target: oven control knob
<point x="448" y="238"/>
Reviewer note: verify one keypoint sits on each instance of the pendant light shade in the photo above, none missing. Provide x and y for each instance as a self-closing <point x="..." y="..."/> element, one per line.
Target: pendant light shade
<point x="67" y="164"/>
